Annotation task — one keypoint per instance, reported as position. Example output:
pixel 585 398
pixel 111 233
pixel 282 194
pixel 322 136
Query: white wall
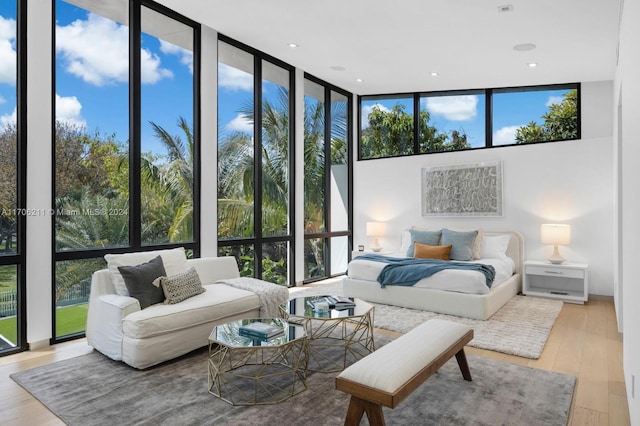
pixel 566 182
pixel 39 170
pixel 627 94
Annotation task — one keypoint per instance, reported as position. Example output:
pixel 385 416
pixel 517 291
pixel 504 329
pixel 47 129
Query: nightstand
pixel 357 253
pixel 567 281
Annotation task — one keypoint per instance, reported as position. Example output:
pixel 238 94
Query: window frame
pixel 258 240
pixel 328 234
pixel 19 259
pixel 135 127
pixel 417 96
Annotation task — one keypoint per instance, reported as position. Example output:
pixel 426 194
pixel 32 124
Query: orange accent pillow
pixel 425 251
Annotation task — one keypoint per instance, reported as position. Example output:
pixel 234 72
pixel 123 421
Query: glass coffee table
pixel 338 337
pixel 245 370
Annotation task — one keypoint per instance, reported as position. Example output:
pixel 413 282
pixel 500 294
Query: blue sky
pixel 92 86
pixel 466 113
pixel 92 67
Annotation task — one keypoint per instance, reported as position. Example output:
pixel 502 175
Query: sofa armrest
pixel 105 315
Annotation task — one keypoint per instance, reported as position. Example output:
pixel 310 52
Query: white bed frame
pixel 476 306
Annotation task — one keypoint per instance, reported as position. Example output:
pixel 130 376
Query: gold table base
pixel 257 375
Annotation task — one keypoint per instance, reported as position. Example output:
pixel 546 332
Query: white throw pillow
pixel 495 247
pixel 174 261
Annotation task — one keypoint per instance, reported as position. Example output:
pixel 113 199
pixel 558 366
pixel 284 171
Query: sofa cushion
pixel 174 261
pixel 139 281
pixel 218 302
pixel 181 286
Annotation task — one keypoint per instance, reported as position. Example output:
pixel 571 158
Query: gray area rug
pixel 94 390
pixel 521 327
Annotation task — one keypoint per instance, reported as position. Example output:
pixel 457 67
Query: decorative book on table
pixel 260 330
pixel 334 302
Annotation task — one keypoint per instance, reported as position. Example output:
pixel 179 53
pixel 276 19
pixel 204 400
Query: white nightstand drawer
pixel 552 271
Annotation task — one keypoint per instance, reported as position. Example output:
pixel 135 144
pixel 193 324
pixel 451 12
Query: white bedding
pixel 472 282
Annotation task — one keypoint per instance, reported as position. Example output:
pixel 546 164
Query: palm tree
pixel 175 178
pixel 236 173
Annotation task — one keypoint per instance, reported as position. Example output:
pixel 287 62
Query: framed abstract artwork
pixel 462 190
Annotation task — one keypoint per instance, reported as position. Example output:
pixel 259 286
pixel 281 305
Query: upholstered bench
pixel 388 375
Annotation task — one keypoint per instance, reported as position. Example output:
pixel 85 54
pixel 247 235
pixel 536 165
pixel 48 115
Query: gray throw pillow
pixel 431 238
pixel 181 286
pixel 139 281
pixel 461 242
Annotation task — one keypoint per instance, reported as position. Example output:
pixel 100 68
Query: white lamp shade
pixel 376 229
pixel 555 234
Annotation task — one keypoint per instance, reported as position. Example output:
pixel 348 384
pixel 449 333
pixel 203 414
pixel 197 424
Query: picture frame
pixel 463 190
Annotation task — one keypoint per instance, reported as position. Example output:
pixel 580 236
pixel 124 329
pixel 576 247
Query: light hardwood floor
pixel 584 342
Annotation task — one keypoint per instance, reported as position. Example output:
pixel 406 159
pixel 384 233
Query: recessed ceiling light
pixel 532 64
pixel 505 8
pixel 434 74
pixel 359 80
pixel 524 47
pixel 293 45
pixel 338 68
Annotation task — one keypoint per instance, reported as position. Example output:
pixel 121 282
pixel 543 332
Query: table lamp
pixel 376 229
pixel 558 235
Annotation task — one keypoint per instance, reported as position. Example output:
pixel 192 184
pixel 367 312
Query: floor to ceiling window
pixel 327 179
pixel 12 195
pixel 255 151
pixel 125 150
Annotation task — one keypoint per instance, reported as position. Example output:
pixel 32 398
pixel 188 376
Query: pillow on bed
pixel 462 243
pixel 426 251
pixel 495 247
pixel 477 245
pixel 431 238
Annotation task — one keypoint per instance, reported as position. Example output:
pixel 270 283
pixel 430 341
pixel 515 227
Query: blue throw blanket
pixel 407 271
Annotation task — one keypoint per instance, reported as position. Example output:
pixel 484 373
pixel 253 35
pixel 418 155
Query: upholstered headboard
pixel 515 250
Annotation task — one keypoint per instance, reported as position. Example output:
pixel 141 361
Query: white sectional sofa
pixel 118 328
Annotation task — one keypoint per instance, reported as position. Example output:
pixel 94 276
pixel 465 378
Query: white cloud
pixel 454 108
pixel 505 135
pixel 186 56
pixel 366 110
pixel 234 79
pixel 2 100
pixel 7 119
pixel 554 100
pixel 7 51
pixel 240 124
pixel 97 51
pixel 69 110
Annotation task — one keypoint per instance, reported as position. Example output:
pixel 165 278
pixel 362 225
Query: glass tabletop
pixel 239 333
pixel 307 307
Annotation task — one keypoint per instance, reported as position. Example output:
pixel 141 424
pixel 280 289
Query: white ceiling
pixel 394 45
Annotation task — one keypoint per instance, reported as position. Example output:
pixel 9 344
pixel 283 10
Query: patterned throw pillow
pixel 181 286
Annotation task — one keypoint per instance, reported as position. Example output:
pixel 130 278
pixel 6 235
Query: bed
pixel 461 298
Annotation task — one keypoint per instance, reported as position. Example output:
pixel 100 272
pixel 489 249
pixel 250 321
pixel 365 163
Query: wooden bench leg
pixel 464 366
pixel 357 408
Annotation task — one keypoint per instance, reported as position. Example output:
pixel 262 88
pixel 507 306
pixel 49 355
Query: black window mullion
pixel 135 28
pixel 196 140
pixel 416 123
pixel 488 118
pixel 327 179
pixel 257 164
